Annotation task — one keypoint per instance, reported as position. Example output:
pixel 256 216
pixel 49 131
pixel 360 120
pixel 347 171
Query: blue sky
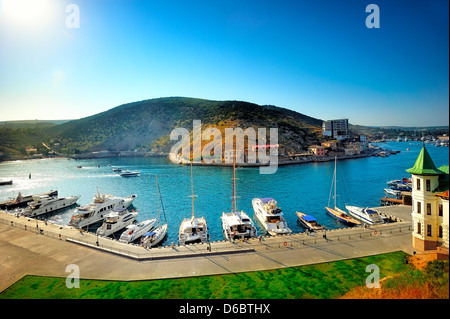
pixel 315 57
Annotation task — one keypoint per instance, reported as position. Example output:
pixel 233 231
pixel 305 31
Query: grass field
pixel 327 280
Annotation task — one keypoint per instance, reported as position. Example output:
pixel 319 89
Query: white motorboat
pixel 270 216
pixel 94 212
pixel 129 173
pixel 134 231
pixel 115 221
pixel 193 229
pixel 237 224
pixel 366 215
pixel 392 192
pixel 155 236
pixel 47 204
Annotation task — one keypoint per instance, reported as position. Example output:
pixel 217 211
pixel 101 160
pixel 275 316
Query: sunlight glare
pixel 29 13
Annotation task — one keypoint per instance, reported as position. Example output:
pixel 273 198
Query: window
pixel 440 231
pixel 419 208
pixel 419 228
pixel 428 185
pixel 428 209
pixel 441 210
pixel 418 184
pixel 428 230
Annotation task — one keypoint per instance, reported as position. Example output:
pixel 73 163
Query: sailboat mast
pixel 335 160
pixel 233 190
pixel 192 193
pixel 157 198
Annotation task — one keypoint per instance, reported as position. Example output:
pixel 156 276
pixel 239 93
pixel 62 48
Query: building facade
pixel 337 129
pixel 430 208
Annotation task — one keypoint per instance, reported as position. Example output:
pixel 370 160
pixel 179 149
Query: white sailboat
pixel 47 204
pixel 193 229
pixel 95 212
pixel 237 224
pixel 155 236
pixel 336 212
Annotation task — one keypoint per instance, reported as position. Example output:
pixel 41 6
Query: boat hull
pixel 59 204
pixel 342 217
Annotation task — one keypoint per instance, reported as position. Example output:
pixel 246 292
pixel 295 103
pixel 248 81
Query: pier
pixel 31 247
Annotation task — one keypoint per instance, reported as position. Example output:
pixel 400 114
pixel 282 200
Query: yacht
pixel 134 231
pixel 129 173
pixel 366 215
pixel 22 201
pixel 94 212
pixel 193 229
pixel 115 221
pixel 46 204
pixel 270 216
pixel 236 224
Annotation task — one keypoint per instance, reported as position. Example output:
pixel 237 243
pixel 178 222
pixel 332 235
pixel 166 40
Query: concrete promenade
pixel 28 247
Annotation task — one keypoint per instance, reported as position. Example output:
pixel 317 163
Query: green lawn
pixel 328 280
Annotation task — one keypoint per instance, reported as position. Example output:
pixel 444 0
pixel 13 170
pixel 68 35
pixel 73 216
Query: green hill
pixel 147 124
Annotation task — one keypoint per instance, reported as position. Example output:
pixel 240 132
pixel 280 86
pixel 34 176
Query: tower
pixel 429 203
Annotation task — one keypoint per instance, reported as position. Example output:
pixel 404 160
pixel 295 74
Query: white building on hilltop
pixel 337 129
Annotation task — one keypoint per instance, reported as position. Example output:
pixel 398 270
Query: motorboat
pixel 270 216
pixel 309 222
pixel 22 201
pixel 393 192
pixel 47 204
pixel 155 236
pixel 135 231
pixel 117 170
pixel 6 182
pixel 401 187
pixel 364 214
pixel 193 229
pixel 129 173
pixel 237 224
pixel 336 212
pixel 115 221
pixel 95 212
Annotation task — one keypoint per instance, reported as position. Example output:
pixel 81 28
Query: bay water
pixel 304 188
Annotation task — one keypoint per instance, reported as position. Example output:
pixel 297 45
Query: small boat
pixel 115 221
pixel 193 229
pixel 236 224
pixel 392 192
pixel 9 182
pixel 47 204
pixel 401 187
pixel 117 170
pixel 154 237
pixel 394 182
pixel 309 222
pixel 270 216
pixel 128 173
pixel 79 166
pixel 366 215
pixel 134 231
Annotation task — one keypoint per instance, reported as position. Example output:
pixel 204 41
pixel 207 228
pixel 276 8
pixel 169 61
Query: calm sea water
pixel 305 188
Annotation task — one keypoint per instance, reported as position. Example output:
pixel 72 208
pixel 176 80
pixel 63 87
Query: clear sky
pixel 315 57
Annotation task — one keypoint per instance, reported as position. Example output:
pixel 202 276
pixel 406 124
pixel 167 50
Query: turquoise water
pixel 304 188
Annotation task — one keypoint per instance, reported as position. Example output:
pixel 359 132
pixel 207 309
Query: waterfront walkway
pixel 30 247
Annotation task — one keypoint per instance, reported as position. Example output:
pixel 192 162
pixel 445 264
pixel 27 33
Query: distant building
pixel 430 209
pixel 317 150
pixel 337 129
pixel 330 144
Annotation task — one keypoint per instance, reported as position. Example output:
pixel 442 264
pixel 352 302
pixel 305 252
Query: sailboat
pixel 336 212
pixel 155 236
pixel 193 229
pixel 236 224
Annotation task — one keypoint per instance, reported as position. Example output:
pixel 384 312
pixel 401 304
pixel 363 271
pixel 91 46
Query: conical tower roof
pixel 424 165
